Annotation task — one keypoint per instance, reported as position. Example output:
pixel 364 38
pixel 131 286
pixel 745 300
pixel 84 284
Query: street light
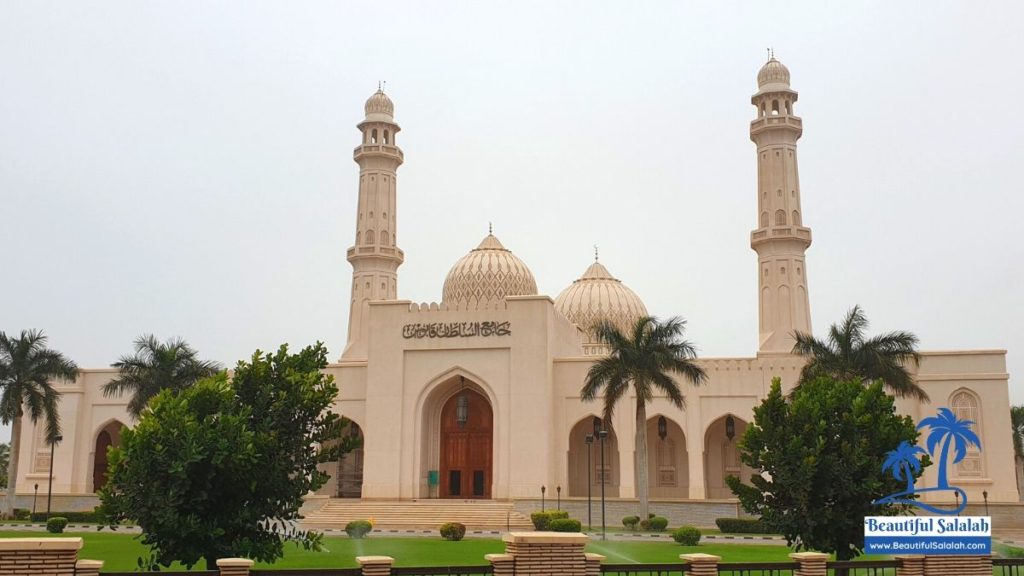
pixel 49 488
pixel 984 494
pixel 589 439
pixel 558 493
pixel 35 492
pixel 602 434
pixel 543 489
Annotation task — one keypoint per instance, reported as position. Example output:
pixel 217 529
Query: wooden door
pixel 466 450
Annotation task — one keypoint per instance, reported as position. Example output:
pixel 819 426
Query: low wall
pixel 700 513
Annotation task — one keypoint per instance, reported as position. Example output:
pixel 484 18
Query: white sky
pixel 185 168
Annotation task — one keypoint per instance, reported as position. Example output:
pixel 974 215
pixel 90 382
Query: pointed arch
pixel 721 455
pixel 966 404
pixel 668 469
pixel 585 460
pixel 108 435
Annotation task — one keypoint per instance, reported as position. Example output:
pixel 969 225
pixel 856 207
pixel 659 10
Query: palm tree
pixel 903 462
pixel 847 355
pixel 156 366
pixel 27 369
pixel 645 359
pixel 5 461
pixel 956 433
pixel 1017 421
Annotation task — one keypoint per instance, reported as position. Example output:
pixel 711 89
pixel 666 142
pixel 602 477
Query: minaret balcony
pixel 378 150
pixel 789 122
pixel 762 235
pixel 375 251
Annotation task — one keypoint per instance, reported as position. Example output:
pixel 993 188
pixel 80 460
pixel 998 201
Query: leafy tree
pixel 156 366
pixel 822 452
pixel 847 354
pixel 27 372
pixel 219 469
pixel 646 359
pixel 1017 421
pixel 5 461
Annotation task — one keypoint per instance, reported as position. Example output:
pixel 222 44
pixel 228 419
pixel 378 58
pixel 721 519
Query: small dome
pixel 379 107
pixel 773 72
pixel 598 296
pixel 486 275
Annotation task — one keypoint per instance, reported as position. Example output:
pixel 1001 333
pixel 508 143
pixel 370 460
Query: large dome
pixel 486 275
pixel 598 296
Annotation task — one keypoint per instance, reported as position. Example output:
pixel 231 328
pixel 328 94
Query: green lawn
pixel 120 551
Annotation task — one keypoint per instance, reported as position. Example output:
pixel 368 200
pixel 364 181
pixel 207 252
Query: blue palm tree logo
pixel 950 432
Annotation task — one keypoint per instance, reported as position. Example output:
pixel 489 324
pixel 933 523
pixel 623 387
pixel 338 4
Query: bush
pixel 645 525
pixel 56 524
pixel 21 514
pixel 92 517
pixel 564 525
pixel 542 519
pixel 453 531
pixel 658 523
pixel 743 526
pixel 686 535
pixel 358 528
pixel 631 522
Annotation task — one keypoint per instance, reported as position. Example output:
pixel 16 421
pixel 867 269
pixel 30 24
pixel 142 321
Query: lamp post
pixel 35 493
pixel 984 494
pixel 602 434
pixel 589 439
pixel 49 488
pixel 543 489
pixel 558 494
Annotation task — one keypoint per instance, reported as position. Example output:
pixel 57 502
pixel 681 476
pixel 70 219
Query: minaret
pixel 375 257
pixel 780 238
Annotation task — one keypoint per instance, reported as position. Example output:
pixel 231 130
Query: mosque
pixel 478 396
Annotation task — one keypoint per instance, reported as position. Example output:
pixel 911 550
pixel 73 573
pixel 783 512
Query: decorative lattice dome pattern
pixel 598 296
pixel 486 275
pixel 773 72
pixel 379 104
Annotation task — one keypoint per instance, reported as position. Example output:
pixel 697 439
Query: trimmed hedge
pixel 56 524
pixel 743 526
pixel 93 517
pixel 542 519
pixel 358 528
pixel 631 522
pixel 658 523
pixel 453 531
pixel 565 525
pixel 686 535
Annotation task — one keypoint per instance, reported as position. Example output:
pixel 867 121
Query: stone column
pixel 811 563
pixel 544 553
pixel 27 556
pixel 957 565
pixel 910 566
pixel 234 566
pixel 701 564
pixel 593 564
pixel 375 565
pixel 88 567
pixel 503 564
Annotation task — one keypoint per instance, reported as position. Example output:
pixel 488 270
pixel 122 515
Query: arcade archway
pixel 722 457
pixel 668 471
pixel 579 458
pixel 466 452
pixel 108 436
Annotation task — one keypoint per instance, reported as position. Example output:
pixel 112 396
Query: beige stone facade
pixel 478 396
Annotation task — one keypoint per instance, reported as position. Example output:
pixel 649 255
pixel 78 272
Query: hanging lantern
pixel 730 428
pixel 462 406
pixel 662 427
pixel 597 425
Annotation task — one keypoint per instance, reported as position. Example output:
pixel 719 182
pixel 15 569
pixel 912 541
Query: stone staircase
pixel 419 514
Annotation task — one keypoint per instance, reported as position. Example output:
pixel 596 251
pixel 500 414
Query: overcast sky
pixel 185 168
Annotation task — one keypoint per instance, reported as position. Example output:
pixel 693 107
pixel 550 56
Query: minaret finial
pixel 384 85
pixel 595 252
pixel 378 86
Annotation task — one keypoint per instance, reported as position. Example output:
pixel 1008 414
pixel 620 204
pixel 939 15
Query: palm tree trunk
pixel 12 466
pixel 641 457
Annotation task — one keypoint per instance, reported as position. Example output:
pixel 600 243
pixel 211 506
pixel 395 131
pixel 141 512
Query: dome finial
pixel 490 228
pixel 595 252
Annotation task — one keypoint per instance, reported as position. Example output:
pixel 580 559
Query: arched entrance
pixel 582 453
pixel 467 424
pixel 350 465
pixel 722 456
pixel 109 435
pixel 668 471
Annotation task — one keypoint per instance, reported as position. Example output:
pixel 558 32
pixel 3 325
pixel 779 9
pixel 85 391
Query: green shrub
pixel 658 523
pixel 542 519
pixel 56 524
pixel 645 524
pixel 92 516
pixel 743 526
pixel 21 514
pixel 651 515
pixel 453 531
pixel 564 525
pixel 686 535
pixel 631 522
pixel 358 528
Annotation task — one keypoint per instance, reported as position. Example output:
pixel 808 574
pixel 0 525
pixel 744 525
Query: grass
pixel 120 551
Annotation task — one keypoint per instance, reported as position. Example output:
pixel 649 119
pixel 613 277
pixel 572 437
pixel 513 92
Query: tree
pixel 903 463
pixel 156 366
pixel 847 355
pixel 646 359
pixel 822 452
pixel 219 469
pixel 27 372
pixel 5 461
pixel 1017 421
